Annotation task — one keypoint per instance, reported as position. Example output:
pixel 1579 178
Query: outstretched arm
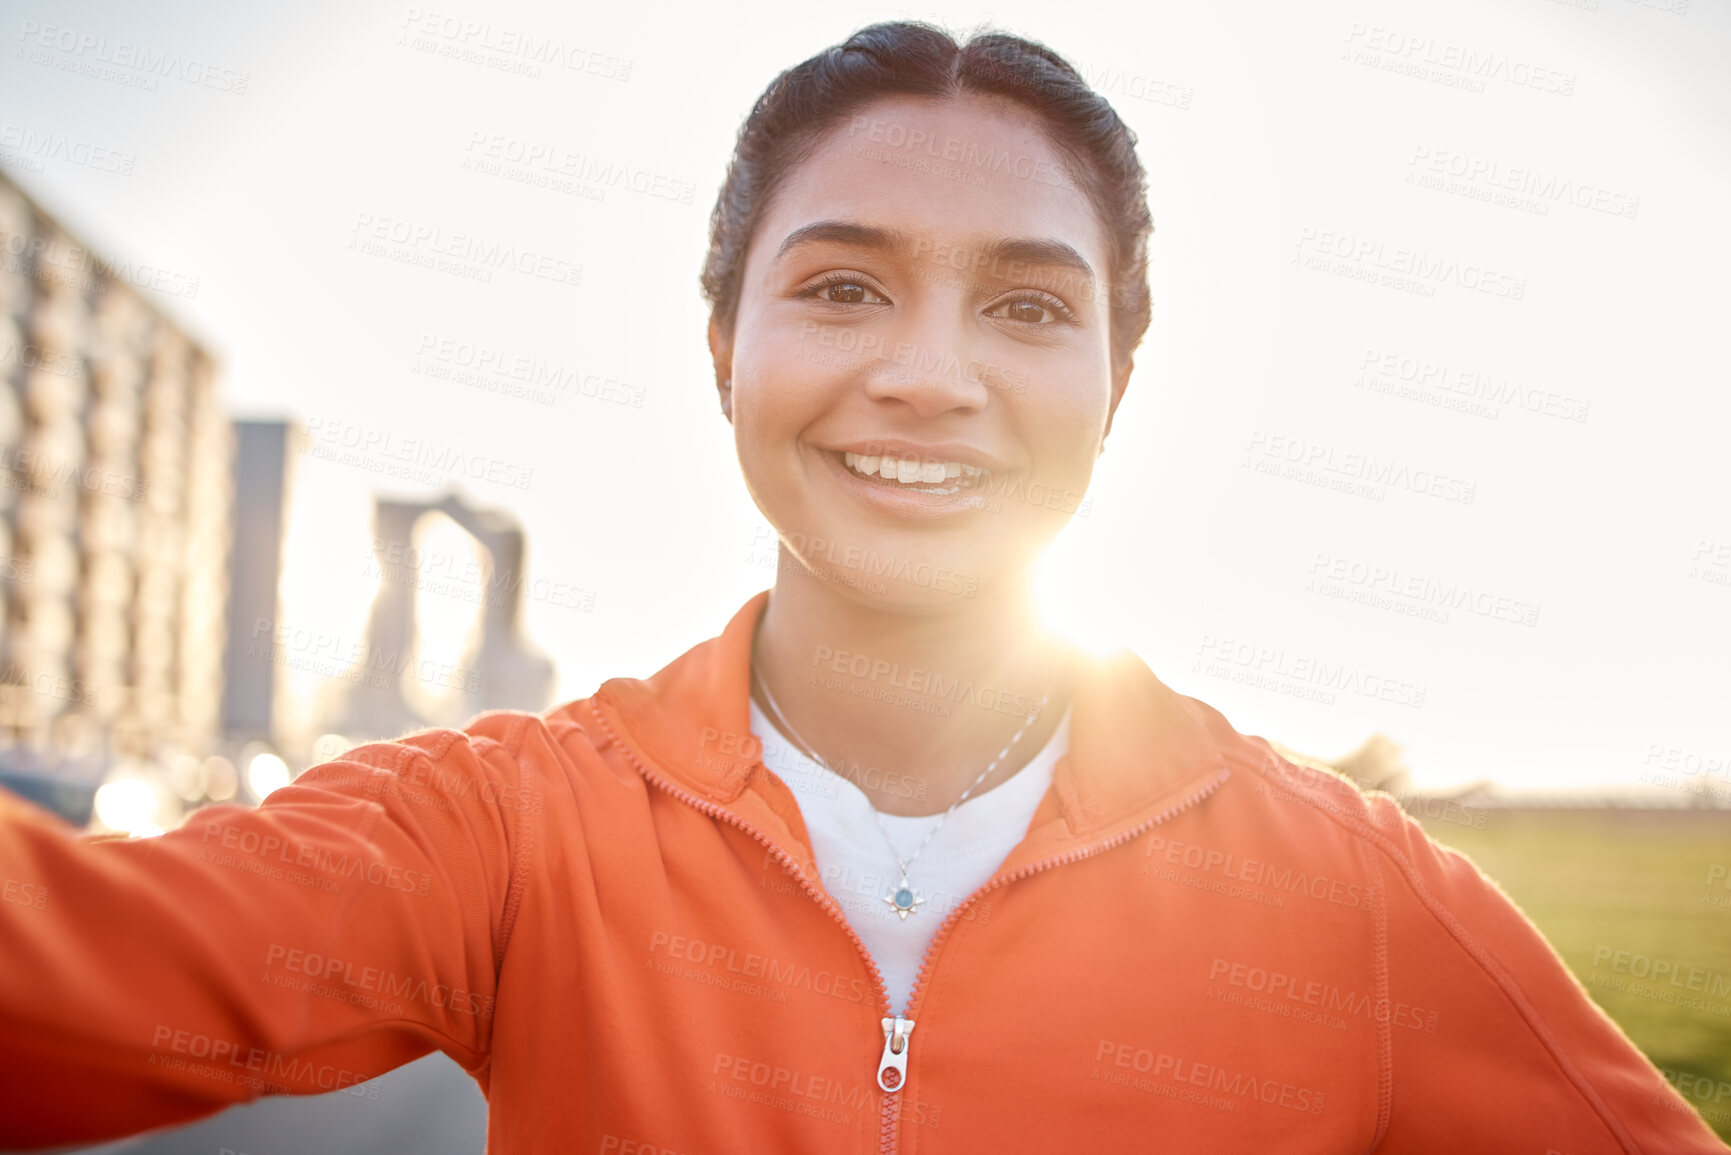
pixel 350 924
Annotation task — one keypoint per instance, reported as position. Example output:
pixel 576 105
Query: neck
pixel 909 705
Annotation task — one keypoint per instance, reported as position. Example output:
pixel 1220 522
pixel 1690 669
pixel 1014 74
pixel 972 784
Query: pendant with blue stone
pixel 903 899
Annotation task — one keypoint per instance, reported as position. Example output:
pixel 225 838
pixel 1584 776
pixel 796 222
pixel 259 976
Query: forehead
pixel 963 171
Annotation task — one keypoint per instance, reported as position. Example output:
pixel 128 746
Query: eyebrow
pixel 1026 250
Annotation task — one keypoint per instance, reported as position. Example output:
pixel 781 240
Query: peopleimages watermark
pixel 1700 1088
pixel 36 473
pixel 1413 594
pixel 329 655
pixel 1667 980
pixel 1264 882
pixel 293 859
pixel 1303 675
pixel 1407 269
pixel 1671 759
pixel 58 261
pixel 1234 1087
pixel 1109 81
pixel 251 1066
pixel 513 50
pixel 460 254
pixel 611 1143
pixel 58 362
pixel 1450 64
pixel 368 985
pixel 514 374
pixel 1513 186
pixel 1711 562
pixel 121 61
pixel 45 684
pixel 777 976
pixel 870 564
pixel 787 1089
pixel 29 149
pixel 463 577
pixel 30 895
pixel 1688 771
pixel 1437 809
pixel 1302 991
pixel 549 166
pixel 413 458
pixel 1717 872
pixel 1352 473
pixel 923 682
pixel 764 550
pixel 1465 390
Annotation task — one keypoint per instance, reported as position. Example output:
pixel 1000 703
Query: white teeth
pixel 909 470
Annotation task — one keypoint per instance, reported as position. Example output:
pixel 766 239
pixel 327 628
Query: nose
pixel 930 366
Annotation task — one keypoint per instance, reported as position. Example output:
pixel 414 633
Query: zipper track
pixel 891 1111
pixel 890 1124
pixel 889 1121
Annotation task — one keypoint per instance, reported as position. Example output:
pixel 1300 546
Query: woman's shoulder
pixel 1281 797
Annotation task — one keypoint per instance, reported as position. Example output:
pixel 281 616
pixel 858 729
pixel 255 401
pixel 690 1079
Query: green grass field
pixel 1636 881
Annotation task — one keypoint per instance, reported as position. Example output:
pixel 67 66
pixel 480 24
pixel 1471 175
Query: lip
pixel 902 503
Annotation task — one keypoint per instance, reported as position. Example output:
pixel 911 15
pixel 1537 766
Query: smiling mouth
pixel 912 473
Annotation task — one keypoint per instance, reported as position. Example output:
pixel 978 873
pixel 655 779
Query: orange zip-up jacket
pixel 610 916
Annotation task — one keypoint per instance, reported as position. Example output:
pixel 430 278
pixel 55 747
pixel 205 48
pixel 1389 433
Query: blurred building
pixel 114 514
pixel 263 484
pixel 144 539
pixel 297 680
pixel 501 670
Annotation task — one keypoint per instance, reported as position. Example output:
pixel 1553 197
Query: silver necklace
pixel 904 899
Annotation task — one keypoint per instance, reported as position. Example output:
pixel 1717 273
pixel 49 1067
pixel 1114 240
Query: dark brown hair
pixel 915 59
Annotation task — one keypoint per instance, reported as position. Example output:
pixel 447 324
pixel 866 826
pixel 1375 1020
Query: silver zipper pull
pixel 893 1067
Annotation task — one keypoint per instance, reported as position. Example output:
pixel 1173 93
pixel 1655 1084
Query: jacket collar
pixel 1137 748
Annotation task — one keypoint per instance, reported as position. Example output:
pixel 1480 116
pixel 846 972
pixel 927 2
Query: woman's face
pixel 926 297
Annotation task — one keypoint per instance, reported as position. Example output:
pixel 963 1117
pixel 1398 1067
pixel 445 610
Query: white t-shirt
pixel 856 866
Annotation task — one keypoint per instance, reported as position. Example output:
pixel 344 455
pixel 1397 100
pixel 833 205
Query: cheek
pixel 1065 438
pixel 770 407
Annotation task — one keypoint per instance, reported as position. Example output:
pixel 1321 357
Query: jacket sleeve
pixel 350 924
pixel 1493 1044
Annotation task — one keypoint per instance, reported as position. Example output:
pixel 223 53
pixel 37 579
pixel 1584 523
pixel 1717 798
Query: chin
pixel 907 572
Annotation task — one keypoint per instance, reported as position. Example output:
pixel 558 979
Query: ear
pixel 1120 382
pixel 721 353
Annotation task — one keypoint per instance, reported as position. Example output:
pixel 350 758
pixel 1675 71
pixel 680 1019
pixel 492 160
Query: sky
pixel 1433 394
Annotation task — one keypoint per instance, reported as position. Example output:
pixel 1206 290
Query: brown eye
pixel 843 289
pixel 845 293
pixel 1032 310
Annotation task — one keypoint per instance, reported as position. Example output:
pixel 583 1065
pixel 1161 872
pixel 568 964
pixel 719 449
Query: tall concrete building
pixel 263 484
pixel 115 492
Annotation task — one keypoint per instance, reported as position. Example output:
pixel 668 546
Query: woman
pixel 883 867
